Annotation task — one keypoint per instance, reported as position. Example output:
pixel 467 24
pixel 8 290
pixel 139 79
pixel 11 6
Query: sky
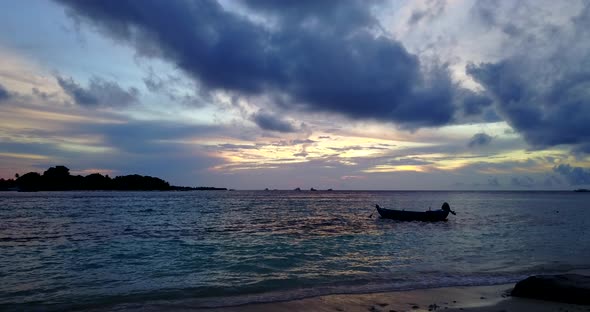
pixel 355 95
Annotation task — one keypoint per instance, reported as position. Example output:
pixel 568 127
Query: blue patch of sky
pixel 42 32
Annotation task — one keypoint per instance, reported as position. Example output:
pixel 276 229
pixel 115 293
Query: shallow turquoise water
pixel 84 250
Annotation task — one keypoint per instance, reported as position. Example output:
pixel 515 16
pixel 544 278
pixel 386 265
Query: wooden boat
pixel 426 216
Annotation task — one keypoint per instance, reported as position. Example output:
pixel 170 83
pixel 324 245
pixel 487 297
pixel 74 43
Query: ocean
pixel 107 250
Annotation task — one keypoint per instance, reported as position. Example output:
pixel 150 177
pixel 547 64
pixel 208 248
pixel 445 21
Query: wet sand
pixel 472 298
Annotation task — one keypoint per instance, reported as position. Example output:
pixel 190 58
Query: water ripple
pixel 103 248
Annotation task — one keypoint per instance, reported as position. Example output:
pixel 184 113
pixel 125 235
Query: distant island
pixel 58 178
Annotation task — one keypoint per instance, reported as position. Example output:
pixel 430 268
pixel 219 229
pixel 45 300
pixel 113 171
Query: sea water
pixel 82 250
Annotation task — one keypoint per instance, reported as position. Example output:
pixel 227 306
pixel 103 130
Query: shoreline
pixel 471 298
pixel 427 299
pixel 468 298
pixel 465 298
pixel 492 298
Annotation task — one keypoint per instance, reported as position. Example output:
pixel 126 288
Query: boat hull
pixel 402 215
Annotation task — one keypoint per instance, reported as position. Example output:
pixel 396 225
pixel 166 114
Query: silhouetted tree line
pixel 58 178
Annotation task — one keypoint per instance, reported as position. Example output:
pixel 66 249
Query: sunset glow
pixel 386 99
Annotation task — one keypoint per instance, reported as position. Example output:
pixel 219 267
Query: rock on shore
pixel 568 288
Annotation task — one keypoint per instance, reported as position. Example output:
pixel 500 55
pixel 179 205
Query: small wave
pixel 426 281
pixel 211 297
pixel 362 287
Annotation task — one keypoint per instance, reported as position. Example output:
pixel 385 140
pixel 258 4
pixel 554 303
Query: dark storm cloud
pixel 574 175
pixel 543 88
pixel 4 94
pixel 346 16
pixel 542 117
pixel 99 93
pixel 319 55
pixel 474 103
pixel 479 139
pixel 582 148
pixel 271 122
pixel 476 107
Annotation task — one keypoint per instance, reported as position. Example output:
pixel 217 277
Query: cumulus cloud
pixel 45 96
pixel 574 175
pixel 271 122
pixel 434 9
pixel 324 56
pixel 98 93
pixel 542 88
pixel 479 139
pixel 174 88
